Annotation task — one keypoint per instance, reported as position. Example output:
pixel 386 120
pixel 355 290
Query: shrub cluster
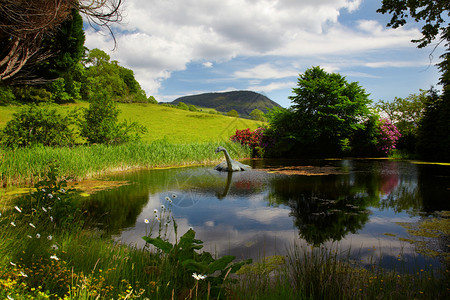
pixel 256 140
pixel 388 136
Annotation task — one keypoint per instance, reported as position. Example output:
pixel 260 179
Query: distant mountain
pixel 244 102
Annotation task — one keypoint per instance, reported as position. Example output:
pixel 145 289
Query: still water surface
pixel 356 204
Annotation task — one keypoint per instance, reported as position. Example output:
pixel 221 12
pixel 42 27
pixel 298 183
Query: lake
pixel 353 204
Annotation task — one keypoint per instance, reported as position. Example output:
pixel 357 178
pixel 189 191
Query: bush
pixel 182 105
pixel 100 124
pixel 388 136
pixel 233 113
pixel 253 139
pixel 34 125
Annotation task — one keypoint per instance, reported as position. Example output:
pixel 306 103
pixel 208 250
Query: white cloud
pixel 266 71
pixel 272 86
pixel 207 64
pixel 158 38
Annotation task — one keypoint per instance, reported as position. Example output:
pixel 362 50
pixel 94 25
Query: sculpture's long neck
pixel 228 158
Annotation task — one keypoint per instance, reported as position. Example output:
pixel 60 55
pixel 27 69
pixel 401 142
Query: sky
pixel 186 47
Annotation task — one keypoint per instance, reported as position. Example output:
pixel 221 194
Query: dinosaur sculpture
pixel 229 165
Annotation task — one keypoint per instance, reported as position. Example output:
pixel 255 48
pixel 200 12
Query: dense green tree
pixel 434 138
pixel 117 81
pixel 327 111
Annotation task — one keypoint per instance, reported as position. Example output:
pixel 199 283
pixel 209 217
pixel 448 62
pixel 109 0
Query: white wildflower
pixel 18 209
pixel 167 199
pixel 43 190
pixel 54 247
pixel 12 264
pixel 155 211
pixel 163 207
pixel 54 257
pixel 146 221
pixel 32 225
pixel 174 196
pixel 50 196
pixel 38 236
pixel 44 209
pixel 63 190
pixel 51 218
pixel 198 276
pixel 29 236
pixel 13 224
pixel 23 274
pixel 49 237
pixel 9 297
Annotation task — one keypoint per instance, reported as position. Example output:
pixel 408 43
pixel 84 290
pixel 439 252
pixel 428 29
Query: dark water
pixel 257 213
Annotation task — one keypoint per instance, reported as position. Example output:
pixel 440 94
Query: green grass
pixel 24 165
pixel 172 124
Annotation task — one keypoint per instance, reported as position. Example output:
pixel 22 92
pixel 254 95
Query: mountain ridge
pixel 244 102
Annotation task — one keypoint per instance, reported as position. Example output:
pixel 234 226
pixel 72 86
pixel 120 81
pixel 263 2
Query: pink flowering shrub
pixel 388 136
pixel 253 139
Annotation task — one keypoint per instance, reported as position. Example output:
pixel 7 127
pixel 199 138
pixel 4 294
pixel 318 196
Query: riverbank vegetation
pixel 26 165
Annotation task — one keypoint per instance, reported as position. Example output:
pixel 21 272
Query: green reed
pixel 24 165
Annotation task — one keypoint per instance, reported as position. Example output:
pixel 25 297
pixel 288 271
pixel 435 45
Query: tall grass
pixel 24 166
pixel 326 273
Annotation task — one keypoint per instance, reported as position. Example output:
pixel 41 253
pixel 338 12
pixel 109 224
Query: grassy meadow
pixel 162 122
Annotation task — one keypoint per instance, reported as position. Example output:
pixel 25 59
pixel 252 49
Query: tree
pixel 117 81
pixel 26 24
pixel 100 124
pixel 257 115
pixel 437 115
pixel 233 113
pixel 406 114
pixel 327 111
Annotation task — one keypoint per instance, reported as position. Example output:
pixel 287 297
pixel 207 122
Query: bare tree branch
pixel 25 23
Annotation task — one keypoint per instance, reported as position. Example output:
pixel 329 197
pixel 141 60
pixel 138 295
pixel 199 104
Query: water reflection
pixel 255 213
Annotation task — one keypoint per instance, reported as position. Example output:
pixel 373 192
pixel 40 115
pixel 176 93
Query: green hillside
pixel 244 102
pixel 174 125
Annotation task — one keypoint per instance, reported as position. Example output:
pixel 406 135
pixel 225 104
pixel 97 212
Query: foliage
pixel 182 105
pixel 34 125
pixel 257 115
pixel 100 124
pixel 433 138
pixel 326 112
pixel 116 81
pixel 52 200
pixel 388 136
pixel 253 139
pixel 233 113
pixel 192 108
pixel 432 13
pixel 184 258
pixel 433 141
pixel 405 114
pixel 6 95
